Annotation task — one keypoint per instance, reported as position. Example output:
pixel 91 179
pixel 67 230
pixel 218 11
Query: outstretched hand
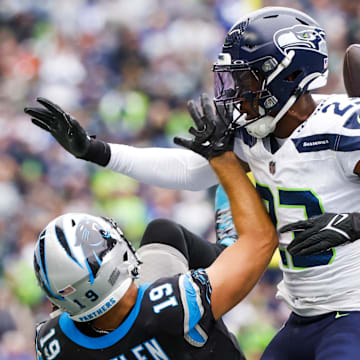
pixel 211 136
pixel 323 232
pixel 62 126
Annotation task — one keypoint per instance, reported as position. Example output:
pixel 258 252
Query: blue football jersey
pixel 171 319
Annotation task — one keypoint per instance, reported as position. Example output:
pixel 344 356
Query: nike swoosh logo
pixel 338 315
pixel 358 119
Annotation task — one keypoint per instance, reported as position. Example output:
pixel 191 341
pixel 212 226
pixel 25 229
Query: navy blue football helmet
pixel 283 51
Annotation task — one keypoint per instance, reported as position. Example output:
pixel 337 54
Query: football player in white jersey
pixel 304 157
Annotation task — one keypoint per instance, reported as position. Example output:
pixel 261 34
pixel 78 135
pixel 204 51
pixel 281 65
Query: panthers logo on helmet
pixel 301 37
pixel 95 244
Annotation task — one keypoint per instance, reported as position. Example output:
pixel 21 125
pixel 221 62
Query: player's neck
pixel 114 317
pixel 297 114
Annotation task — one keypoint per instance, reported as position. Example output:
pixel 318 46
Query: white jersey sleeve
pixel 163 167
pixel 348 130
pixel 320 97
pixel 343 130
pixel 348 161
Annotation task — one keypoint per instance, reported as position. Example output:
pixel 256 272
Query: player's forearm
pixel 163 167
pixel 247 208
pixel 237 270
pixel 246 260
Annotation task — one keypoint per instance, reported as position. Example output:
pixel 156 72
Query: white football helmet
pixel 84 264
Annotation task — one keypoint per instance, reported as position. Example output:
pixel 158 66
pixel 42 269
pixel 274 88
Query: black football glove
pixel 212 137
pixel 323 232
pixel 68 132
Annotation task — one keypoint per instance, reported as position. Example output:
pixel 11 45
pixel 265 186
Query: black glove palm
pixel 68 132
pixel 212 137
pixel 62 126
pixel 323 232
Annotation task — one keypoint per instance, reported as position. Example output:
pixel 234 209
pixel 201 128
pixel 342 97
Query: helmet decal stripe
pixel 42 265
pixel 98 260
pixel 42 255
pixel 64 243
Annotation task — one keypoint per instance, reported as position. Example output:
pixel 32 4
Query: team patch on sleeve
pixel 321 142
pixel 190 296
pixel 183 300
pixel 195 293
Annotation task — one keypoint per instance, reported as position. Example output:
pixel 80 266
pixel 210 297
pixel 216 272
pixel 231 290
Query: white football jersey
pixel 312 173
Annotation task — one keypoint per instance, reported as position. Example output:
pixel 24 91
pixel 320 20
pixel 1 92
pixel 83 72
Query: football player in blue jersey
pixel 87 268
pixel 305 158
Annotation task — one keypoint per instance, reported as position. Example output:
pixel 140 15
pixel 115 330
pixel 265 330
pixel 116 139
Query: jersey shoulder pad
pixel 247 139
pixel 46 343
pixel 180 300
pixel 161 306
pixel 339 111
pixel 334 125
pixel 38 328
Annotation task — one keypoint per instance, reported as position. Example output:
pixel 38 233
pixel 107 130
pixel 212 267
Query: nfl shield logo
pixel 272 167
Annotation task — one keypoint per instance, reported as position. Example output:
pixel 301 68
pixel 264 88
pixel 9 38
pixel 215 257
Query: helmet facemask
pixel 240 91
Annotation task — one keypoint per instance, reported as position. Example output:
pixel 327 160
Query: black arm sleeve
pixel 199 252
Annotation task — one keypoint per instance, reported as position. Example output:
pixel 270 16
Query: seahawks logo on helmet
pixel 301 37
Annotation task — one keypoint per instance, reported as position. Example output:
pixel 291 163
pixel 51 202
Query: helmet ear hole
pixel 292 77
pixel 125 257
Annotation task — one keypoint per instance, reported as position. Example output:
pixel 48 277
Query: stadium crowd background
pixel 125 69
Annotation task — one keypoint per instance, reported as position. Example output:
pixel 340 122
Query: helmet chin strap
pixel 266 125
pixel 55 313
